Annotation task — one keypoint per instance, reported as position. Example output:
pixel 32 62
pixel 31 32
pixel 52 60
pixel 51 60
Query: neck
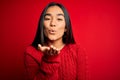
pixel 57 44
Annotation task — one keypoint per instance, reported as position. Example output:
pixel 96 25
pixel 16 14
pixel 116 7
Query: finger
pixel 46 52
pixel 43 48
pixel 54 50
pixel 48 48
pixel 58 51
pixel 51 46
pixel 51 51
pixel 39 46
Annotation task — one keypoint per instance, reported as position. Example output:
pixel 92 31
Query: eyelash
pixel 47 18
pixel 57 19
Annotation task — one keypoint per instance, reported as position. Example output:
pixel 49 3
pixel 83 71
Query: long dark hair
pixel 40 36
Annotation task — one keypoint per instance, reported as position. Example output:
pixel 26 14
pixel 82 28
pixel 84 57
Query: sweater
pixel 70 64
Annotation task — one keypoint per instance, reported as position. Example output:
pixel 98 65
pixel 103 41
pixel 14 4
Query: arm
pixel 41 67
pixel 31 67
pixel 49 68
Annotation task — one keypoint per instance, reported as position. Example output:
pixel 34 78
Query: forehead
pixel 54 10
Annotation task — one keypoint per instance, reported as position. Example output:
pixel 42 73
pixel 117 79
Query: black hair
pixel 40 36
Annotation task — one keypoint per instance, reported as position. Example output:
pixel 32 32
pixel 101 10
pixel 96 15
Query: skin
pixel 54 28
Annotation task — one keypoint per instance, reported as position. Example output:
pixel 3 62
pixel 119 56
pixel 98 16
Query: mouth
pixel 52 31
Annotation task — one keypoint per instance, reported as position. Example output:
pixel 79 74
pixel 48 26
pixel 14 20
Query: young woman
pixel 54 55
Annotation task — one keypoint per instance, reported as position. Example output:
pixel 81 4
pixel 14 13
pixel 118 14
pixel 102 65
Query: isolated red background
pixel 96 26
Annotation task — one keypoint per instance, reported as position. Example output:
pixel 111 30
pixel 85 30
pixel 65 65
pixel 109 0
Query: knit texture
pixel 70 64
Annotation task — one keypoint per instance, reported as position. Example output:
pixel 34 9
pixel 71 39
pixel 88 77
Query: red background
pixel 96 26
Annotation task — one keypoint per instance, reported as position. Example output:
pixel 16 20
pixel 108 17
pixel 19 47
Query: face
pixel 54 23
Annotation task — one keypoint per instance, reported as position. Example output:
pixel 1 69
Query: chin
pixel 52 39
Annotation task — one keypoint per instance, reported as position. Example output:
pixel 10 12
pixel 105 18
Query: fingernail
pixel 48 48
pixel 51 46
pixel 58 49
pixel 54 48
pixel 39 45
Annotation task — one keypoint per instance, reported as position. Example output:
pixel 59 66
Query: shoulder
pixel 32 52
pixel 74 46
pixel 77 48
pixel 30 49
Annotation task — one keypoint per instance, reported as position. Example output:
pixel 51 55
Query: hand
pixel 51 51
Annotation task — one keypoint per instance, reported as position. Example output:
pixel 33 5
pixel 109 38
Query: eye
pixel 59 19
pixel 47 19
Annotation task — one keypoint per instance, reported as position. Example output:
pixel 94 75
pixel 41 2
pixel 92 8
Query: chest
pixel 68 66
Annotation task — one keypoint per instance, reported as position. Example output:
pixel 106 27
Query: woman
pixel 53 55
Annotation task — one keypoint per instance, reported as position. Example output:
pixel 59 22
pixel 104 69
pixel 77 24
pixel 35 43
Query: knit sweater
pixel 68 65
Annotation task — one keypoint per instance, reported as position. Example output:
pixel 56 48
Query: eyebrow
pixel 60 14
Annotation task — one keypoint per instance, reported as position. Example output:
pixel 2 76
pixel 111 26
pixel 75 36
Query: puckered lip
pixel 52 31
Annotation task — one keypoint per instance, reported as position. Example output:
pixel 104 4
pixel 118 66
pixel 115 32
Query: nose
pixel 53 23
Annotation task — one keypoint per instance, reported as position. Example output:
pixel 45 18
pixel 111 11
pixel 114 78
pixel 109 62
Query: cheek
pixel 46 23
pixel 46 31
pixel 62 27
pixel 61 31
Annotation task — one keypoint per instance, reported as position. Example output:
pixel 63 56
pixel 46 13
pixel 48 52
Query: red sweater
pixel 68 65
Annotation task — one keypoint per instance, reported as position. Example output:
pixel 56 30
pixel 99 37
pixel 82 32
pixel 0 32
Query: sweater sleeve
pixel 40 67
pixel 81 64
